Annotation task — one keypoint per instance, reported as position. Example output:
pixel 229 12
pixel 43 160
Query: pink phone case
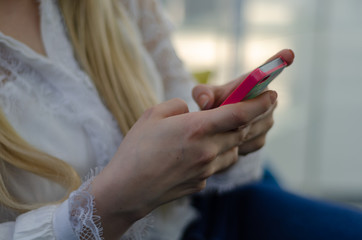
pixel 256 81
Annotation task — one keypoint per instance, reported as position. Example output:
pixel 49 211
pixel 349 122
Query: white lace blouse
pixel 53 105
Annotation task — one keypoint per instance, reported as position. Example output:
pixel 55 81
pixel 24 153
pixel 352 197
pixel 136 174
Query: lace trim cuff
pixel 85 224
pixel 76 218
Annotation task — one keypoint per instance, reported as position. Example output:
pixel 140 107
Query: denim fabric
pixel 265 211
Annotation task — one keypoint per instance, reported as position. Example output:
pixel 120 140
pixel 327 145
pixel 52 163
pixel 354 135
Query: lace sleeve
pixel 76 218
pixel 155 30
pixel 85 223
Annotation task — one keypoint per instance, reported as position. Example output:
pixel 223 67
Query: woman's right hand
pixel 169 153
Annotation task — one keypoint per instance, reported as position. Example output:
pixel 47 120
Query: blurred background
pixel 315 146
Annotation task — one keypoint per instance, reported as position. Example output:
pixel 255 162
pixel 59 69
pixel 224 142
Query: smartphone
pixel 256 81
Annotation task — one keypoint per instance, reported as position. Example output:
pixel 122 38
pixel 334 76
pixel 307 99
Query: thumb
pixel 204 96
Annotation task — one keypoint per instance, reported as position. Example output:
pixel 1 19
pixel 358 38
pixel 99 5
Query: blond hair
pixel 108 47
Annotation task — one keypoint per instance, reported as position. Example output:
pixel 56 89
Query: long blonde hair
pixel 109 48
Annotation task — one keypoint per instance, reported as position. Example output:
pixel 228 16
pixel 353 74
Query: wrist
pixel 115 205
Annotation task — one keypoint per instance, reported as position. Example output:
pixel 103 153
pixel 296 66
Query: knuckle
pixel 149 112
pixel 259 143
pixel 206 174
pixel 234 158
pixel 241 137
pixel 239 116
pixel 196 129
pixel 207 156
pixel 253 146
pixel 200 186
pixel 181 103
pixel 270 123
pixel 266 104
pixel 243 134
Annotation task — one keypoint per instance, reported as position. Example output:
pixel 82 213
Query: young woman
pixel 86 84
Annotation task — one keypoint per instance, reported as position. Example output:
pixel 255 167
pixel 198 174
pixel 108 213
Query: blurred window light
pixel 268 13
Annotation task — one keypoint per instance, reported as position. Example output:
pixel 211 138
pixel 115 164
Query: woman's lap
pixel 264 211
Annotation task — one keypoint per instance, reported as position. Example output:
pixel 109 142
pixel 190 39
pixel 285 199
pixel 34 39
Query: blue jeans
pixel 265 211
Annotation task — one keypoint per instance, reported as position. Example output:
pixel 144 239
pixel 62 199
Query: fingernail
pixel 291 51
pixel 273 96
pixel 203 100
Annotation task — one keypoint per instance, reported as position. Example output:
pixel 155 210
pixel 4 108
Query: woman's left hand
pixel 254 133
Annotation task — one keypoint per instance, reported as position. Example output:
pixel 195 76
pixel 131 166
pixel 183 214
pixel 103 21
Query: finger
pixel 222 92
pixel 232 116
pixel 253 145
pixel 267 114
pixel 256 129
pixel 208 96
pixel 169 108
pixel 220 164
pixel 253 136
pixel 204 96
pixel 184 189
pixel 286 54
pixel 224 161
pixel 231 139
pixel 244 134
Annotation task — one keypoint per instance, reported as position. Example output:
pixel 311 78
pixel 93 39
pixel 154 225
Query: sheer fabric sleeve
pixel 77 218
pixel 74 219
pixel 155 30
pixel 36 224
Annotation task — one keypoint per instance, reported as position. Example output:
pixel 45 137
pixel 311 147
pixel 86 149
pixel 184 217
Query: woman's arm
pixel 169 153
